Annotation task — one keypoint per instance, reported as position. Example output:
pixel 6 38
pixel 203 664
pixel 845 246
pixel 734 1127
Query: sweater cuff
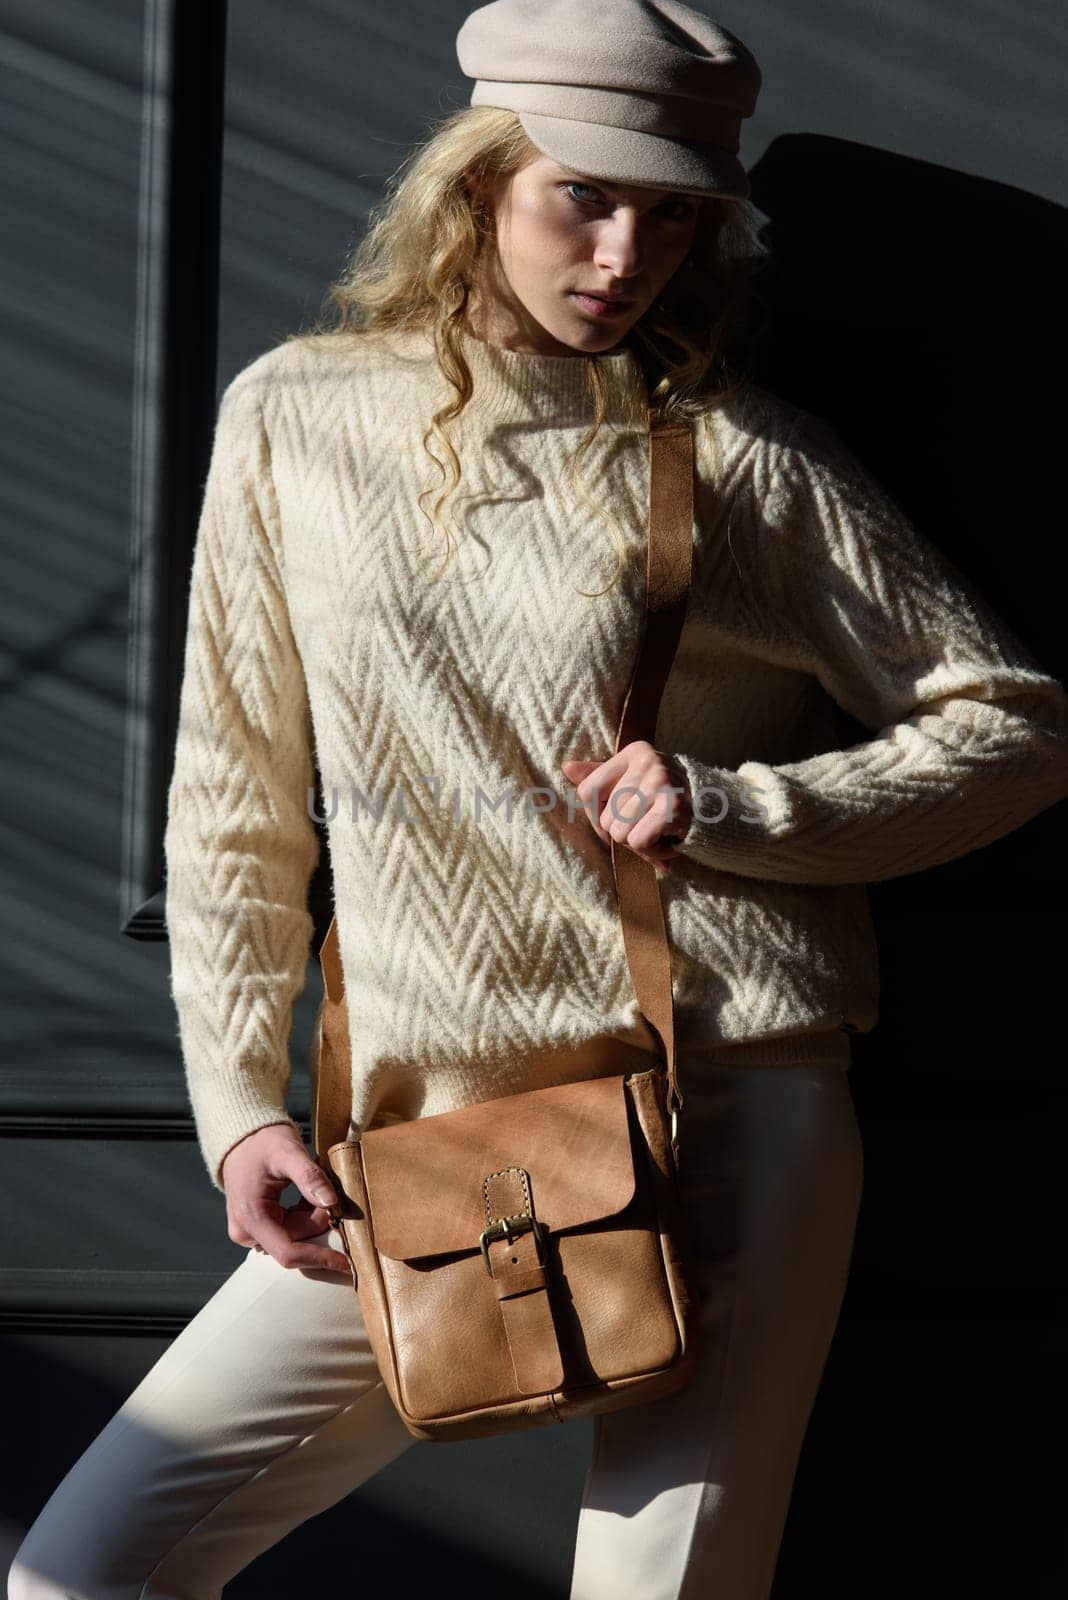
pixel 728 817
pixel 230 1122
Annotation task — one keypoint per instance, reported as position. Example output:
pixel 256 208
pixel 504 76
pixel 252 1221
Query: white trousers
pixel 268 1407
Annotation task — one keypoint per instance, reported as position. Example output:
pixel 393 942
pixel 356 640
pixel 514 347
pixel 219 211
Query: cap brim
pixel 620 155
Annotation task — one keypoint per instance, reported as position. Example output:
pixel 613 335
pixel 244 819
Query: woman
pixel 557 255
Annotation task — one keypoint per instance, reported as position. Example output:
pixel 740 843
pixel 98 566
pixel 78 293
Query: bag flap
pixel 425 1177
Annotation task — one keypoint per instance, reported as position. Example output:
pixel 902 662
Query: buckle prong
pixel 506 1227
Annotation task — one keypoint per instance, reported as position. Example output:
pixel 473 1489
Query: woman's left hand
pixel 643 820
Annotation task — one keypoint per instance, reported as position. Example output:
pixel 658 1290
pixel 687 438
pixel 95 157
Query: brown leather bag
pixel 527 1259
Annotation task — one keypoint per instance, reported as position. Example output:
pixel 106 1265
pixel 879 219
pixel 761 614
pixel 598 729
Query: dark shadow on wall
pixel 918 310
pixel 924 1472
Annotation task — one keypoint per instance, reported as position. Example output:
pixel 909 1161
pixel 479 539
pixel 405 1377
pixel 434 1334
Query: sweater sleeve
pixel 970 734
pixel 239 844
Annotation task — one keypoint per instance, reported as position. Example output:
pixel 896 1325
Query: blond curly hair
pixel 415 264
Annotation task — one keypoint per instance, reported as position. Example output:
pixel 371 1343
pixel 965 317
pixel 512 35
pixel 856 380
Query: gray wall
pixel 925 322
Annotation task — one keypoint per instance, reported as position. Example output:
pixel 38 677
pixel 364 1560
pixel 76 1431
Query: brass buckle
pixel 505 1228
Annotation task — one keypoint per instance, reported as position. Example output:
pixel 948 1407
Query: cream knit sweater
pixel 477 939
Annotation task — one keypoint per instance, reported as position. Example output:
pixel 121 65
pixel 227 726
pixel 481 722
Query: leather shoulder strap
pixel 667 581
pixel 668 569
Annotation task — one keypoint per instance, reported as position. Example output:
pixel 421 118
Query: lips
pixel 600 305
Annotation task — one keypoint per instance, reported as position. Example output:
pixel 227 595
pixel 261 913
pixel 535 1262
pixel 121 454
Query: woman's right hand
pixel 255 1171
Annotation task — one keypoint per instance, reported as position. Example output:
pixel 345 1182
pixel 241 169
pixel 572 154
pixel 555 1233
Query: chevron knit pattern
pixel 480 936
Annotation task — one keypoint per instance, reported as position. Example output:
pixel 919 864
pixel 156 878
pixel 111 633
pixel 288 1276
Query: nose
pixel 619 247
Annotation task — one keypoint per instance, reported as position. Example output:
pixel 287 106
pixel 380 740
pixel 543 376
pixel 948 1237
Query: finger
pixel 646 833
pixel 628 807
pixel 288 1252
pixel 603 774
pixel 308 1177
pixel 593 791
pixel 323 1260
pixel 302 1223
pixel 316 1258
pixel 250 1219
pixel 659 821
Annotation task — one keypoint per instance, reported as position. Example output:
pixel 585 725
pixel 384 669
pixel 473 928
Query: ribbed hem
pixel 229 1123
pixel 725 824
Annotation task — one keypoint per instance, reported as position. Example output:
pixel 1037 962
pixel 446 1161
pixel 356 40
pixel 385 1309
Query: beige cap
pixel 632 91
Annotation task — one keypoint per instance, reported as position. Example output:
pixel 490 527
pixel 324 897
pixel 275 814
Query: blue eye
pixel 686 210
